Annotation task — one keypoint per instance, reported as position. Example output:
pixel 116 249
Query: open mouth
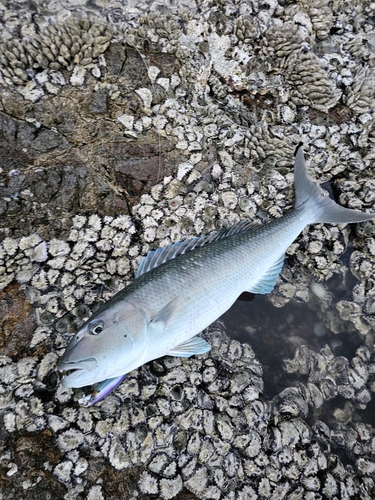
pixel 75 369
pixel 88 364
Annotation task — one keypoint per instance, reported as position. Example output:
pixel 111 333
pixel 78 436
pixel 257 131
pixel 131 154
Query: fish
pixel 180 289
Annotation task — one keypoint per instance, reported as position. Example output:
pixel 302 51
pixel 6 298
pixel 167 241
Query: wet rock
pixel 17 322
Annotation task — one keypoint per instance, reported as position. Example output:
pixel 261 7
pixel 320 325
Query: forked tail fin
pixel 311 196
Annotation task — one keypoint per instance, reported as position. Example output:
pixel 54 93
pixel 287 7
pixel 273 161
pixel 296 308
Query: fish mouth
pixel 76 369
pixel 87 364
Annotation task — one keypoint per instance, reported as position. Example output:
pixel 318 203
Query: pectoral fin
pixel 268 281
pixel 165 314
pixel 196 345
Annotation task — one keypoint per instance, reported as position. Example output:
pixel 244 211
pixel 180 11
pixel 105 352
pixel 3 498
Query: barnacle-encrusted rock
pixel 321 16
pixel 358 46
pixel 310 83
pixel 124 128
pixel 283 40
pixel 327 377
pixel 360 95
pixel 59 46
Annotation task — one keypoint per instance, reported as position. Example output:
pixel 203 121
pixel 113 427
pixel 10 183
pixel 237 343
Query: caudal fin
pixel 311 196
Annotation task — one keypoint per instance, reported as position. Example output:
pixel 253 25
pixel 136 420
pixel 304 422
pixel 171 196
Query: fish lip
pixel 76 369
pixel 86 364
pixel 69 381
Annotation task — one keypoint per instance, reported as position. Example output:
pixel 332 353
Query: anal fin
pixel 196 345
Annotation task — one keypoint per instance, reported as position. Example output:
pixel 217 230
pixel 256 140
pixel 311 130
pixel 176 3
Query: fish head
pixel 107 345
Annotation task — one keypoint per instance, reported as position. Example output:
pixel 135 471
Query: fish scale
pixel 181 289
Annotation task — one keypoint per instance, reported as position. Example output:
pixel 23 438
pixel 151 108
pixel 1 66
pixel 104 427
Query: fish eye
pixel 96 327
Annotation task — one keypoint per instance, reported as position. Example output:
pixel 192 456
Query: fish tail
pixel 321 207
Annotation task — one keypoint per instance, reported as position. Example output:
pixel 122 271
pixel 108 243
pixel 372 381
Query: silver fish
pixel 181 289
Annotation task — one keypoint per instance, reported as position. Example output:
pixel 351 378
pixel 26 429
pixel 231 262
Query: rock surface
pixel 127 128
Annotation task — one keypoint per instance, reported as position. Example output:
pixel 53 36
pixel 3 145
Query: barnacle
pixel 282 41
pixel 310 83
pixel 247 29
pixel 59 46
pixel 360 95
pixel 321 16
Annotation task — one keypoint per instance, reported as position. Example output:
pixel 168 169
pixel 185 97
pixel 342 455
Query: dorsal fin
pixel 157 257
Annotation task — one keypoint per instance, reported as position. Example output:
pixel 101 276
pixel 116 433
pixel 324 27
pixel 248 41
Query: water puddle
pixel 275 333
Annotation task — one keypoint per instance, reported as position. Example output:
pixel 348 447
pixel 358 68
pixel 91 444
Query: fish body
pixel 181 289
